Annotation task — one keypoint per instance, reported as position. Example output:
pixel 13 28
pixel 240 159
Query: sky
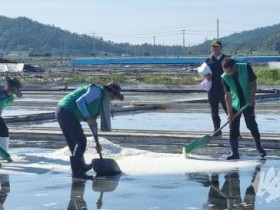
pixel 165 22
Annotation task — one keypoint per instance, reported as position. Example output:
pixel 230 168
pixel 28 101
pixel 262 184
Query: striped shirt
pixel 92 94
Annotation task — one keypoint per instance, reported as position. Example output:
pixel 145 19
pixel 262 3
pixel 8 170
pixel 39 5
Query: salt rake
pixel 201 142
pixel 104 166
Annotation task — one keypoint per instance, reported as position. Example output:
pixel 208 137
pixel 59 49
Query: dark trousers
pixel 249 116
pixel 72 131
pixel 4 131
pixel 215 98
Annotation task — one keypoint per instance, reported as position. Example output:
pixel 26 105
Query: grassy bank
pixel 264 75
pixel 267 76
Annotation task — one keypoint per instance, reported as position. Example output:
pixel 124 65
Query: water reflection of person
pixel 101 186
pixel 229 196
pixel 5 189
pixel 77 201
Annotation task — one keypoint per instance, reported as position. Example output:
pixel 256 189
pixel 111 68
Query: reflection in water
pixel 229 195
pixel 77 201
pixel 104 185
pixel 5 189
pixel 101 185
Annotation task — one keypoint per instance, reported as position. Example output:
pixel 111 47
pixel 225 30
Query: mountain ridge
pixel 36 39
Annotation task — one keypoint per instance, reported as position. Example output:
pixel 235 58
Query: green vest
pixel 244 83
pixel 69 102
pixel 7 101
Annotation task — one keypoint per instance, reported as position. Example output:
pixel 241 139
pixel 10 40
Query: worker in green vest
pixel 240 86
pixel 84 104
pixel 7 97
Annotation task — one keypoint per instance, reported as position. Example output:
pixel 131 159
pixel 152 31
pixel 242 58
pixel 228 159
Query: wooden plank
pixel 30 117
pixel 51 115
pixel 52 137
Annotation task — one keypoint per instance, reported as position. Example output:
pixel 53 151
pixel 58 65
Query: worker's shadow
pixel 24 164
pixel 5 189
pixel 229 195
pixel 101 185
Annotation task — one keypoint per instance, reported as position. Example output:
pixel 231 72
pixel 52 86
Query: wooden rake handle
pixel 95 135
pixel 238 113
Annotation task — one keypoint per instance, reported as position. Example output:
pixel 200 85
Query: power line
pixel 159 33
pixel 217 28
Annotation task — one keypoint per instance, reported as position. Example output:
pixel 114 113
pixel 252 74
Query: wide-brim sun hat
pixel 116 89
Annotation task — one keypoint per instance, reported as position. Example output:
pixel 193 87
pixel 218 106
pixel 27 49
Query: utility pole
pixel 93 36
pixel 183 32
pixel 153 49
pixel 64 54
pixel 217 28
pixel 274 47
pixel 18 37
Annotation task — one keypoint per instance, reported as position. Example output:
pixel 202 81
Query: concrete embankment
pixel 157 141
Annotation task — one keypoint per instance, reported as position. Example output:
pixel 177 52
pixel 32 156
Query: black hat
pixel 116 89
pixel 15 84
pixel 216 43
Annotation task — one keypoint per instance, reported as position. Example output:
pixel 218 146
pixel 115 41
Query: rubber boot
pixel 233 142
pixel 78 168
pixel 86 167
pixel 4 143
pixel 259 147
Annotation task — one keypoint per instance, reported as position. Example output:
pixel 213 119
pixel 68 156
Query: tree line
pixel 35 39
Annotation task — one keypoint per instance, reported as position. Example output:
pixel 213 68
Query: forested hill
pixel 33 38
pixel 260 41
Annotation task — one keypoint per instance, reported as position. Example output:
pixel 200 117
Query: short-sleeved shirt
pixel 251 76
